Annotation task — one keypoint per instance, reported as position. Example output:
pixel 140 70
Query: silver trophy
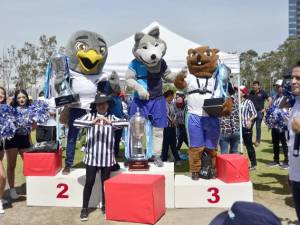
pixel 138 160
pixel 60 72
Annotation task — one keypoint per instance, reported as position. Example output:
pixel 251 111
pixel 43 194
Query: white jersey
pixel 195 100
pixel 86 87
pixel 294 162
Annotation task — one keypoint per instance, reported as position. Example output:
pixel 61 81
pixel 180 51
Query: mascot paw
pixel 143 94
pixel 179 80
pixel 227 107
pixel 296 125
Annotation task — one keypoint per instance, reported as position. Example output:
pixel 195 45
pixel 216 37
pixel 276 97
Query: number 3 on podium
pixel 215 195
pixel 64 188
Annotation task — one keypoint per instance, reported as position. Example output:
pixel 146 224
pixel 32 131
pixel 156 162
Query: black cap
pixel 246 213
pixel 100 98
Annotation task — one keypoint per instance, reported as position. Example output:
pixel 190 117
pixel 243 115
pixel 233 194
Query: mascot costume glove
pixel 144 75
pixel 205 80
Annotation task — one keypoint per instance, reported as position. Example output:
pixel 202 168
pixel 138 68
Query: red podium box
pixel 232 168
pixel 135 198
pixel 42 164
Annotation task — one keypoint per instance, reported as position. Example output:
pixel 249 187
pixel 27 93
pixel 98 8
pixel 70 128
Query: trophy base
pixel 66 99
pixel 137 165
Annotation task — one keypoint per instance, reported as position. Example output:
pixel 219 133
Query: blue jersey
pixel 152 82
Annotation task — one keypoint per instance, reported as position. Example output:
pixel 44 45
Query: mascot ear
pixel 154 32
pixel 215 50
pixel 138 37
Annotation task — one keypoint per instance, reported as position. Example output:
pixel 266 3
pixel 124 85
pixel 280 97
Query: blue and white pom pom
pixel 39 111
pixel 277 118
pixel 7 119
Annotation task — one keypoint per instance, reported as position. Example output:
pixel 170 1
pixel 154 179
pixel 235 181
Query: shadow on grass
pixel 268 150
pixel 266 141
pixel 284 188
pixel 264 161
pixel 289 201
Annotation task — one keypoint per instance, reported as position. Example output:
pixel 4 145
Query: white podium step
pixel 209 193
pixel 67 190
pixel 60 190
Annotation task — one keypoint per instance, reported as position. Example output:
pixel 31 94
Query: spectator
pixel 258 97
pixel 2 170
pixel 180 109
pixel 294 131
pixel 230 127
pixel 169 139
pixel 47 130
pixel 246 213
pixel 278 133
pixel 248 115
pixel 18 143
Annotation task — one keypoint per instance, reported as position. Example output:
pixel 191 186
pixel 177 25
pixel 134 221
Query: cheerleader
pixel 2 170
pixel 19 142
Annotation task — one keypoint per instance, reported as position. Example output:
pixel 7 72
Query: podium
pixel 60 190
pixel 209 193
pixel 67 190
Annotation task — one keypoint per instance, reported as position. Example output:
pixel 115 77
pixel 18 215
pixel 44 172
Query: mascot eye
pixel 156 44
pixel 145 47
pixel 208 53
pixel 102 50
pixel 80 46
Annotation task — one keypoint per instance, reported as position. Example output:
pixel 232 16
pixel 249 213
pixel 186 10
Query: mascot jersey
pixel 155 107
pixel 204 131
pixel 86 87
pixel 152 82
pixel 199 89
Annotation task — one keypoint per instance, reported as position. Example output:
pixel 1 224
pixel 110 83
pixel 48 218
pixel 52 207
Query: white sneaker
pixel 1 207
pixel 13 194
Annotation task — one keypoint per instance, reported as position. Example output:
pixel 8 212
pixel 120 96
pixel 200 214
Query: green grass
pixel 264 179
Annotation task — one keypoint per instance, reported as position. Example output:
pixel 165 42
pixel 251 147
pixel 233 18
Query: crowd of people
pixel 252 107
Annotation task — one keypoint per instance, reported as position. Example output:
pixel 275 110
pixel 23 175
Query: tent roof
pixel 120 54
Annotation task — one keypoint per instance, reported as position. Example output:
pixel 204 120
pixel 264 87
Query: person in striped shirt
pixel 248 115
pixel 99 148
pixel 169 139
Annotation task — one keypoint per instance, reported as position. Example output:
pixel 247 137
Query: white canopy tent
pixel 120 54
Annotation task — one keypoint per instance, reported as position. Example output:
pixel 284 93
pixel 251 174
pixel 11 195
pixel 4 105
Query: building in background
pixel 294 18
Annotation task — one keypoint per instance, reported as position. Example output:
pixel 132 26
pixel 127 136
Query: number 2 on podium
pixel 215 195
pixel 64 188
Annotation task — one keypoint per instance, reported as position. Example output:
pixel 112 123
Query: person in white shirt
pixel 294 142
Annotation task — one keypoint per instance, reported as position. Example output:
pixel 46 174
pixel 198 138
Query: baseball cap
pixel 244 89
pixel 278 82
pixel 246 213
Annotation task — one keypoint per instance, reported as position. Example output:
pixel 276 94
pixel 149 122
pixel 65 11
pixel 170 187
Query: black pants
pixel 247 138
pixel 277 137
pixel 118 135
pixel 182 136
pixel 45 133
pixel 296 197
pixel 169 140
pixel 91 172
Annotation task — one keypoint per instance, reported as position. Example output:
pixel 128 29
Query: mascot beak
pixel 89 60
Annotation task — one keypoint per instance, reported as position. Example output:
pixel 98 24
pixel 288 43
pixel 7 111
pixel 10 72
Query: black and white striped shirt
pixel 277 100
pixel 171 114
pixel 247 110
pixel 99 148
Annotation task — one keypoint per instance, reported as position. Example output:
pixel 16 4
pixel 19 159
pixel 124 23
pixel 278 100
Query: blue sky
pixel 230 25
